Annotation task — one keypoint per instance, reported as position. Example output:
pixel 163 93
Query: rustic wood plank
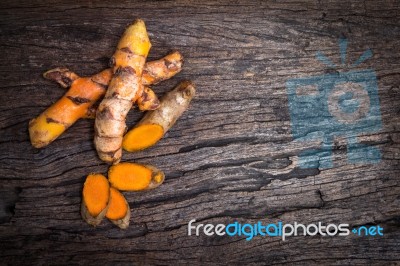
pixel 231 157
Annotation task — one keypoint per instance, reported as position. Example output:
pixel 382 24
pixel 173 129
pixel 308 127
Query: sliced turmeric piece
pixel 152 127
pixel 85 91
pixel 118 211
pixel 128 62
pixel 95 198
pixel 135 177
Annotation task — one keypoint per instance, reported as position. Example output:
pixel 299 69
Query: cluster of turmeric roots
pixel 108 97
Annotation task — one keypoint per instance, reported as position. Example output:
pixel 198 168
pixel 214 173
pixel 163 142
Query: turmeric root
pixel 91 112
pixel 162 69
pixel 118 211
pixel 72 106
pixel 61 115
pixel 128 62
pixel 135 177
pixel 95 198
pixel 65 77
pixel 148 100
pixel 155 124
pixel 153 72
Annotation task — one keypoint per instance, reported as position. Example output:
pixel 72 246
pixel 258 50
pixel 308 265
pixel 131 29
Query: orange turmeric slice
pixel 118 211
pixel 95 198
pixel 142 137
pixel 135 177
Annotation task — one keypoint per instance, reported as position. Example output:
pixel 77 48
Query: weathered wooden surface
pixel 230 158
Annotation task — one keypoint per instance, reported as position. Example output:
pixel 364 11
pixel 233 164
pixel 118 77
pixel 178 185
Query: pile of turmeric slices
pixel 108 97
pixel 101 197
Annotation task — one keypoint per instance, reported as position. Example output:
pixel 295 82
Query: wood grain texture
pixel 231 157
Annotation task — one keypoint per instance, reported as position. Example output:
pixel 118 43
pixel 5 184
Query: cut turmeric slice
pixel 142 137
pixel 118 211
pixel 95 198
pixel 135 177
pixel 155 124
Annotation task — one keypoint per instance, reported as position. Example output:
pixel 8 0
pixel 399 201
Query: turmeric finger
pixel 155 124
pixel 73 105
pixel 153 72
pixel 128 62
pixel 95 198
pixel 62 75
pixel 135 177
pixel 162 69
pixel 91 111
pixel 118 211
pixel 148 100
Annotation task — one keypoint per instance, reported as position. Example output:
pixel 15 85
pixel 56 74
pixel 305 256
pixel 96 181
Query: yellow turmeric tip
pixel 95 198
pixel 135 177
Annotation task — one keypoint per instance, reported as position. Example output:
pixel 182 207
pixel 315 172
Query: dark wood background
pixel 231 157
